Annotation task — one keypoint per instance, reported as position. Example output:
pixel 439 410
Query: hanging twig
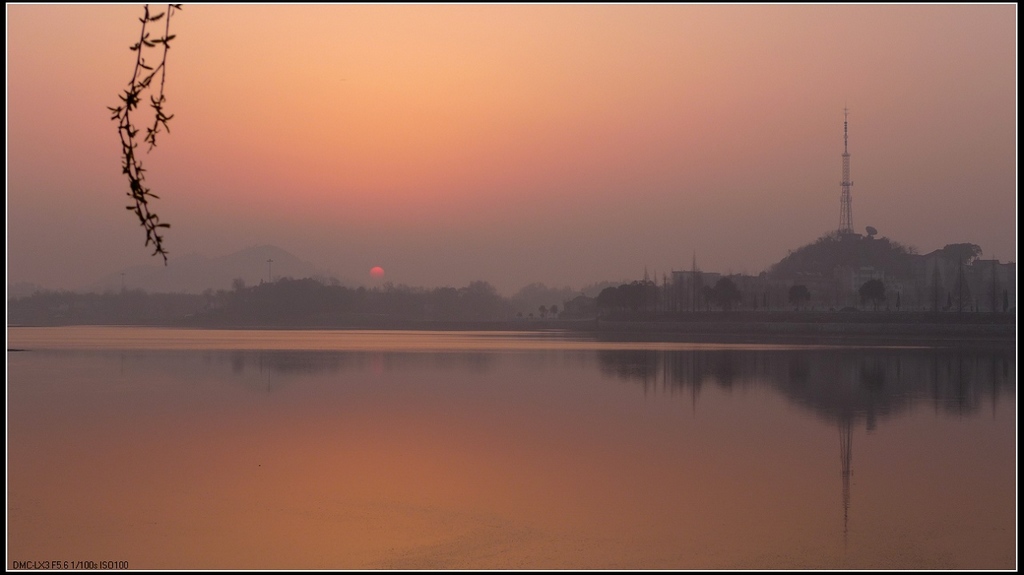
pixel 142 78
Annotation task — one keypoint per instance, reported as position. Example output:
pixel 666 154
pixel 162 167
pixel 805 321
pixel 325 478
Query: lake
pixel 218 449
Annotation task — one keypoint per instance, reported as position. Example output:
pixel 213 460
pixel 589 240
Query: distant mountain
pixel 195 273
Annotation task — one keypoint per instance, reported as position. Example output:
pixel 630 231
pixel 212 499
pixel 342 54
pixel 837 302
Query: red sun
pixel 377 272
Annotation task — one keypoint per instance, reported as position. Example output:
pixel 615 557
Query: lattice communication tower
pixel 845 202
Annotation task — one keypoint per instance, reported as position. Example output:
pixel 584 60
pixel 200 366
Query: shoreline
pixel 730 330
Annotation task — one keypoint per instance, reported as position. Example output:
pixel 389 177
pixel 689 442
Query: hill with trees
pixel 851 251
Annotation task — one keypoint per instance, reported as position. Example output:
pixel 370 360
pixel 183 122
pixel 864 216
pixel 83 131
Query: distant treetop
pixel 965 253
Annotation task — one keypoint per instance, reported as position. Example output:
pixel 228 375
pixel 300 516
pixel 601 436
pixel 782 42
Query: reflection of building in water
pixel 866 385
pixel 842 387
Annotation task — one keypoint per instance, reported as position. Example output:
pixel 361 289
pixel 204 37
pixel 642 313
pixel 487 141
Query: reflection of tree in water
pixel 676 371
pixel 284 362
pixel 841 387
pixel 835 384
pixel 723 368
pixel 269 370
pixel 291 363
pixel 631 365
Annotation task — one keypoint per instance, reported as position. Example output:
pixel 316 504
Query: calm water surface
pixel 316 449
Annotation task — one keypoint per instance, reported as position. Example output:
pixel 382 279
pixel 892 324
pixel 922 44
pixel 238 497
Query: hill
pixel 195 273
pixel 850 251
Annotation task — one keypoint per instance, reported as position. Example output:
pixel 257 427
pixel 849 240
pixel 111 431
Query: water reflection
pixel 572 458
pixel 842 387
pixel 837 385
pixel 272 369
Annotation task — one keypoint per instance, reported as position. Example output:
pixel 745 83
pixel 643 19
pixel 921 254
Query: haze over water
pixel 439 145
pixel 513 143
pixel 207 449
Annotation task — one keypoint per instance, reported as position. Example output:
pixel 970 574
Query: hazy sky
pixel 513 143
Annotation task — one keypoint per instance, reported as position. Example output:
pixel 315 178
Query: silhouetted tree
pixel 580 306
pixel 609 299
pixel 935 289
pixel 965 253
pixel 707 294
pixel 650 295
pixel 799 294
pixel 632 295
pixel 963 288
pixel 480 300
pixel 725 294
pixel 872 291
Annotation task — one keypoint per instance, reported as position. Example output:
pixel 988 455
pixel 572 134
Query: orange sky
pixel 555 143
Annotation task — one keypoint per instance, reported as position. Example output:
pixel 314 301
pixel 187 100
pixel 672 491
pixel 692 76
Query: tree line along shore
pixel 309 304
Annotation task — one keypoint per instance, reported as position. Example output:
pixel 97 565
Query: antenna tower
pixel 845 202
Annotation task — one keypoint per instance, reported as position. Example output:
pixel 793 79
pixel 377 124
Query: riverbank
pixel 789 332
pixel 826 328
pixel 839 333
pixel 830 328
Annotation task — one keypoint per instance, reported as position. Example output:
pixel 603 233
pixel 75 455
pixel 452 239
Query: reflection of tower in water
pixel 845 458
pixel 846 388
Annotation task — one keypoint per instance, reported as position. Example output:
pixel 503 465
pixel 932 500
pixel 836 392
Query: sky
pixel 563 144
